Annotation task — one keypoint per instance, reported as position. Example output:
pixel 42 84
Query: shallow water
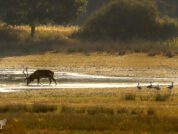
pixel 12 80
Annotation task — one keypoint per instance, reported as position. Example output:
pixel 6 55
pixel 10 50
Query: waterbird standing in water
pixel 157 87
pixel 171 86
pixel 150 86
pixel 138 86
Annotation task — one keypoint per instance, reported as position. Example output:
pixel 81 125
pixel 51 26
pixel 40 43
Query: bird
pixel 150 86
pixel 138 86
pixel 171 86
pixel 157 87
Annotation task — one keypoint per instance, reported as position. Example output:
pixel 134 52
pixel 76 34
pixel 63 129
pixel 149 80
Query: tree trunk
pixel 33 30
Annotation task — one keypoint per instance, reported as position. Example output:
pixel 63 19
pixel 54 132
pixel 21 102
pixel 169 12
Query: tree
pixel 128 19
pixel 122 19
pixel 36 12
pixel 92 6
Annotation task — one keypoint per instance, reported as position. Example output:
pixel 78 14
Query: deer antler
pixel 27 71
pixel 26 74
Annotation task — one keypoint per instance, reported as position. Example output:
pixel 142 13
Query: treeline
pixel 112 19
pixel 165 7
pixel 37 12
pixel 128 19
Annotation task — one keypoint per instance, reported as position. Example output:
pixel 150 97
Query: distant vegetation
pixel 93 5
pixel 165 7
pixel 128 19
pixel 35 13
pixel 117 27
pixel 17 41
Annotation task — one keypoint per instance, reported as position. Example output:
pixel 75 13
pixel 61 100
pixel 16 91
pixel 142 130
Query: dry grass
pixel 90 111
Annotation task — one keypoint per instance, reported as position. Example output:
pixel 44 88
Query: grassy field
pixel 90 111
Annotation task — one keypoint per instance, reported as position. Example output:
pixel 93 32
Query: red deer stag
pixel 38 74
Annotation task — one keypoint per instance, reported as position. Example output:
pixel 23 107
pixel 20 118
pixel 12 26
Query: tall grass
pixel 34 108
pixel 130 97
pixel 162 97
pixel 43 33
pixel 88 111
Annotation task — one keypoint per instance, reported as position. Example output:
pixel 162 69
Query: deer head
pixel 27 78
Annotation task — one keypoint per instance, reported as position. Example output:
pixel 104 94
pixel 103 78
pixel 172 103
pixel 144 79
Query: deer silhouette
pixel 38 74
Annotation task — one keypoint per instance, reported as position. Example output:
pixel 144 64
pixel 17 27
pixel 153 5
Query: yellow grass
pixel 66 30
pixel 91 111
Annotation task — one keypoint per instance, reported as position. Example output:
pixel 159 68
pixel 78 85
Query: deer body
pixel 38 74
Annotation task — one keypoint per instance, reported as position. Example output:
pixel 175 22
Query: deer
pixel 3 123
pixel 38 74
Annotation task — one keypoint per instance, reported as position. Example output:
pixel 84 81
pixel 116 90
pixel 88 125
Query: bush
pixel 130 97
pixel 136 111
pixel 151 111
pixel 122 111
pixel 34 108
pixel 13 108
pixel 169 54
pixel 162 97
pixel 69 109
pixel 126 19
pixel 100 110
pixel 42 108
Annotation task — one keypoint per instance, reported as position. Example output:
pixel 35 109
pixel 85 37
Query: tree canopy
pixel 35 12
pixel 126 19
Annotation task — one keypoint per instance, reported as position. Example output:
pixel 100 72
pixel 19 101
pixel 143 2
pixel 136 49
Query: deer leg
pixel 50 81
pixel 54 81
pixel 38 81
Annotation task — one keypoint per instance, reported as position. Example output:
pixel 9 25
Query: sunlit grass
pixel 50 33
pixel 89 111
pixel 66 30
